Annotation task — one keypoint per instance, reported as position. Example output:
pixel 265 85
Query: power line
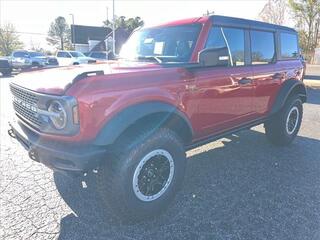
pixel 31 33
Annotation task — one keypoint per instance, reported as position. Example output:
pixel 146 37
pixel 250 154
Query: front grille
pixel 25 105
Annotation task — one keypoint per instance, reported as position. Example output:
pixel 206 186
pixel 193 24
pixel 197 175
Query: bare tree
pixel 274 12
pixel 9 39
pixel 306 14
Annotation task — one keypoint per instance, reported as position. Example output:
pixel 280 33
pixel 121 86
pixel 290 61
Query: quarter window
pixel 289 45
pixel 230 42
pixel 262 47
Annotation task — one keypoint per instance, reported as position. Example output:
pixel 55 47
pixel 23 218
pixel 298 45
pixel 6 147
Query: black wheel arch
pixel 148 114
pixel 289 87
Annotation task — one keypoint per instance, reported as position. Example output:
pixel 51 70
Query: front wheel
pixel 282 129
pixel 144 176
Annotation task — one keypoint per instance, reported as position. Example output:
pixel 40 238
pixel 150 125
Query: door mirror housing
pixel 211 57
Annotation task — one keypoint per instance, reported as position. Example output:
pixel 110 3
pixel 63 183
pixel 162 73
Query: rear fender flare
pixel 289 87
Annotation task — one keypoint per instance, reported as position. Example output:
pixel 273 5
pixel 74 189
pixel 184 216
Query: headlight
pixel 58 116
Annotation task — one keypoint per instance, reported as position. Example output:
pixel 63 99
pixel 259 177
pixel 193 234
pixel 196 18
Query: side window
pixel 63 55
pixel 229 41
pixel 60 54
pixel 289 45
pixel 262 47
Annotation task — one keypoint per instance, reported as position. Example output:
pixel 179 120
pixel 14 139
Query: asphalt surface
pixel 240 187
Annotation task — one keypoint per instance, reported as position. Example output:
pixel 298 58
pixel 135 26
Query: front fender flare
pixel 119 123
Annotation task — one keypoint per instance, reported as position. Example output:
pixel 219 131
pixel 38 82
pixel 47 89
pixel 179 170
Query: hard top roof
pixel 228 21
pixel 246 23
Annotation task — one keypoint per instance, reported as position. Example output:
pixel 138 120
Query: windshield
pixel 36 54
pixel 169 44
pixel 77 54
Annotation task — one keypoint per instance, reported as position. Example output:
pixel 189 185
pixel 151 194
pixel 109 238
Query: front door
pixel 225 92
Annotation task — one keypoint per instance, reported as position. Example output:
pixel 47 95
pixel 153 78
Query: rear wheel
pixel 284 126
pixel 143 176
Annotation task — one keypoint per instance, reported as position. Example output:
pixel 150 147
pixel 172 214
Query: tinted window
pixel 36 54
pixel 230 39
pixel 77 54
pixel 21 54
pixel 99 55
pixel 262 47
pixel 289 45
pixel 63 55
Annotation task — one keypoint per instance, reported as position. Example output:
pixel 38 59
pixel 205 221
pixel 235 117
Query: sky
pixel 35 16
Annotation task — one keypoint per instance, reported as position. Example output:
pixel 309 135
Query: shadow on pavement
pixel 313 95
pixel 240 188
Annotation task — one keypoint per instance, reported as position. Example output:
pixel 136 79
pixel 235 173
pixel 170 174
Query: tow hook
pixel 33 155
pixel 11 133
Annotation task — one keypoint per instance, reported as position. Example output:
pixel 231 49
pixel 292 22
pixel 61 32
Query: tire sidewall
pixel 294 102
pixel 161 140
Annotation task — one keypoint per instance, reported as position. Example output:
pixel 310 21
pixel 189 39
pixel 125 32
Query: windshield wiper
pixel 150 57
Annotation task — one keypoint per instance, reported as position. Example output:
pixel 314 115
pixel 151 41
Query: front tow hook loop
pixel 33 155
pixel 11 133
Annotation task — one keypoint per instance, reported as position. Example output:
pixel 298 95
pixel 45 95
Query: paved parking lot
pixel 240 187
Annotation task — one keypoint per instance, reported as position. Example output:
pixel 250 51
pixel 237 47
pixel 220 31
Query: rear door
pixel 224 92
pixel 268 72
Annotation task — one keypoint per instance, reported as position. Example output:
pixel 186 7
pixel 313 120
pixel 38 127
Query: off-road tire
pixel 116 177
pixel 277 130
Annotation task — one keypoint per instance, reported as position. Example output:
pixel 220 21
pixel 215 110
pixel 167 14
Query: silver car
pixel 20 60
pixel 27 59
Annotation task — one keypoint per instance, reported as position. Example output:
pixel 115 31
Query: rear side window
pixel 262 47
pixel 289 45
pixel 231 40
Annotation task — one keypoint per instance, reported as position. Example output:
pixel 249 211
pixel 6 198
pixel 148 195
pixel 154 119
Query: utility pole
pixel 73 36
pixel 107 14
pixel 113 30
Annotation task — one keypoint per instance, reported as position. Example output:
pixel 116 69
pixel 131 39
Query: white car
pixel 66 58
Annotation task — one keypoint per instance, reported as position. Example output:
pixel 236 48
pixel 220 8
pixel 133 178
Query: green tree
pixel 128 24
pixel 306 14
pixel 59 34
pixel 9 39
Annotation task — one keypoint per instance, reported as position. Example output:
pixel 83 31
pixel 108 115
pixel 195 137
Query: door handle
pixel 244 81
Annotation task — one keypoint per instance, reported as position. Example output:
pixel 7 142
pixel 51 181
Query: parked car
pixel 27 59
pixel 98 55
pixel 177 86
pixel 5 67
pixel 66 58
pixel 20 59
pixel 40 60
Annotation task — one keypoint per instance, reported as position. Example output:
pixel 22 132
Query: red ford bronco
pixel 175 87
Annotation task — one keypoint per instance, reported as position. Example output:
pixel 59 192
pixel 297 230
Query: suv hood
pixel 57 80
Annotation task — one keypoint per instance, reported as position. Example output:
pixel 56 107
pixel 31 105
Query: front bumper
pixel 57 155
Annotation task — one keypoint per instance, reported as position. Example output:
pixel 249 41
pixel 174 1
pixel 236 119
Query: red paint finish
pixel 211 98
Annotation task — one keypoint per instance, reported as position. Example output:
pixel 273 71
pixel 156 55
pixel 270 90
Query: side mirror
pixel 211 57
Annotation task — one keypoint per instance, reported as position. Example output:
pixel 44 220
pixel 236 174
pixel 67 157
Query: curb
pixel 312 83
